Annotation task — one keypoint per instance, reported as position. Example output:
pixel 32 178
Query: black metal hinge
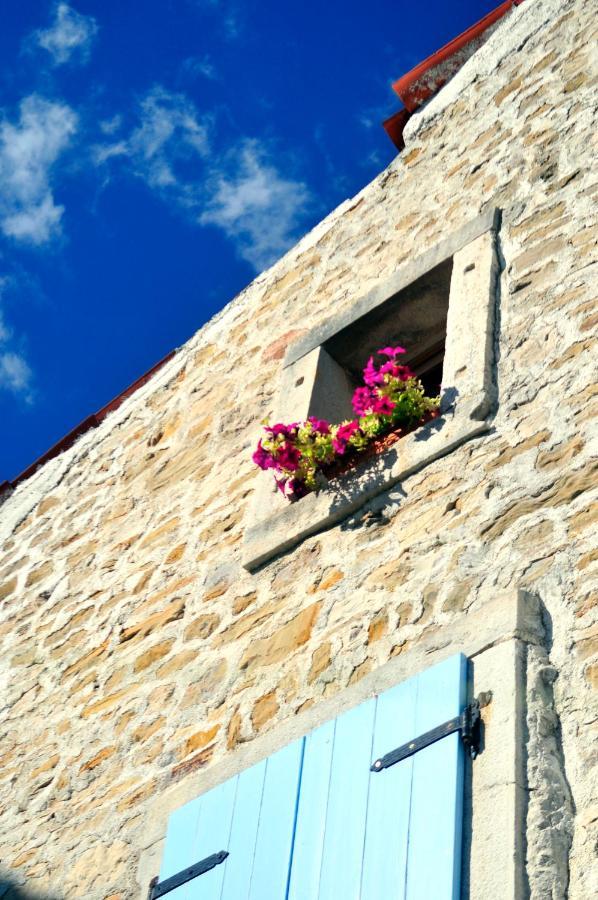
pixel 158 889
pixel 468 723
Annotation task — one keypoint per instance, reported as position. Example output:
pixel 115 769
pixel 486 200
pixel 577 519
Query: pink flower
pixel 390 368
pixel 392 351
pixel 263 458
pixel 319 425
pixel 343 435
pixel 362 400
pixel 400 372
pixel 280 429
pixel 383 405
pixel 371 376
pixel 288 457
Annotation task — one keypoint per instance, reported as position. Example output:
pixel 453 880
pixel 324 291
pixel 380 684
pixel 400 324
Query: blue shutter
pixel 312 822
pixel 252 817
pixel 389 835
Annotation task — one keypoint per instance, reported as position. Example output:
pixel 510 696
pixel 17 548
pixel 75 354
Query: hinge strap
pixel 158 889
pixel 468 723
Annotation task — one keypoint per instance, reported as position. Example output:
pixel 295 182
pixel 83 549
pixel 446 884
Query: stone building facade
pixel 147 653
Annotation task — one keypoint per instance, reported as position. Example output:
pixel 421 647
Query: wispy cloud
pixel 229 15
pixel 15 374
pixel 203 66
pixel 240 190
pixel 255 205
pixel 29 150
pixel 69 36
pixel 168 135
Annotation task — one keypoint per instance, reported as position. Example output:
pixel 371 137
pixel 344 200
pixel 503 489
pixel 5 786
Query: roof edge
pixel 87 424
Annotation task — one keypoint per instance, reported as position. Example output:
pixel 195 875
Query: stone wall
pixel 136 650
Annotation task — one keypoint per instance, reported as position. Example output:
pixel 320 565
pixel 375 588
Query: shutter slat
pixel 387 830
pixel 347 804
pixel 434 855
pixel 311 819
pixel 213 835
pixel 180 843
pixel 276 828
pixel 238 866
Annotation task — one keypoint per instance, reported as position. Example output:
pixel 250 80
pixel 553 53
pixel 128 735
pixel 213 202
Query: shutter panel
pixel 389 835
pixel 435 826
pixel 252 817
pixel 312 822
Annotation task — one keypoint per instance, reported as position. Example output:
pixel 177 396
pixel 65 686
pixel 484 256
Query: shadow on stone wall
pixel 10 890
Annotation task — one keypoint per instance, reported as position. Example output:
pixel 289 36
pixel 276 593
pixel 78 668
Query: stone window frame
pixel 496 639
pixel 468 396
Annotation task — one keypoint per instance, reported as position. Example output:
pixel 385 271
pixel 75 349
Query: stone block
pixel 284 641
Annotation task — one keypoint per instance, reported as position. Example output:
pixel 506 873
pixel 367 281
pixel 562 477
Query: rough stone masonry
pixel 136 650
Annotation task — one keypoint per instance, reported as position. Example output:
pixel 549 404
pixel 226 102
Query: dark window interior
pixel 415 318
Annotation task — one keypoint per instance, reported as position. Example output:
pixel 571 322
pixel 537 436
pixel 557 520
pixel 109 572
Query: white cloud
pixel 241 191
pixel 70 33
pixel 170 132
pixel 4 329
pixel 15 374
pixel 195 65
pixel 257 208
pixel 28 151
pixel 169 135
pixel 110 126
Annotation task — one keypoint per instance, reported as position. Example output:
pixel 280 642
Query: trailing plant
pixel 391 399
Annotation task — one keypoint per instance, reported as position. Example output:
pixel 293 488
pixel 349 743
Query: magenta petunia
pixel 280 429
pixel 343 436
pixel 319 425
pixel 392 351
pixel 263 458
pixel 288 457
pixel 383 406
pixel 371 375
pixel 390 368
pixel 362 400
pixel 404 372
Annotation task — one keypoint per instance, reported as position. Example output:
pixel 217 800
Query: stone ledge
pixel 316 512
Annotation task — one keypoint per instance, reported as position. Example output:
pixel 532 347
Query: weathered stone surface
pixel 152 655
pixel 202 627
pixel 563 490
pixel 320 661
pixel 141 629
pixel 263 710
pixel 198 741
pixel 7 588
pixel 98 759
pixel 378 626
pixel 283 642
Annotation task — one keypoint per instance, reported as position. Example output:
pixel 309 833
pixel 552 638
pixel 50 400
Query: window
pixel 441 306
pixel 314 822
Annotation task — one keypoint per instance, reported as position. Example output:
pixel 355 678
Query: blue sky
pixel 155 156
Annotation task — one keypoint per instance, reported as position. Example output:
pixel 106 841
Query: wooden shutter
pixel 252 817
pixel 313 822
pixel 389 835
